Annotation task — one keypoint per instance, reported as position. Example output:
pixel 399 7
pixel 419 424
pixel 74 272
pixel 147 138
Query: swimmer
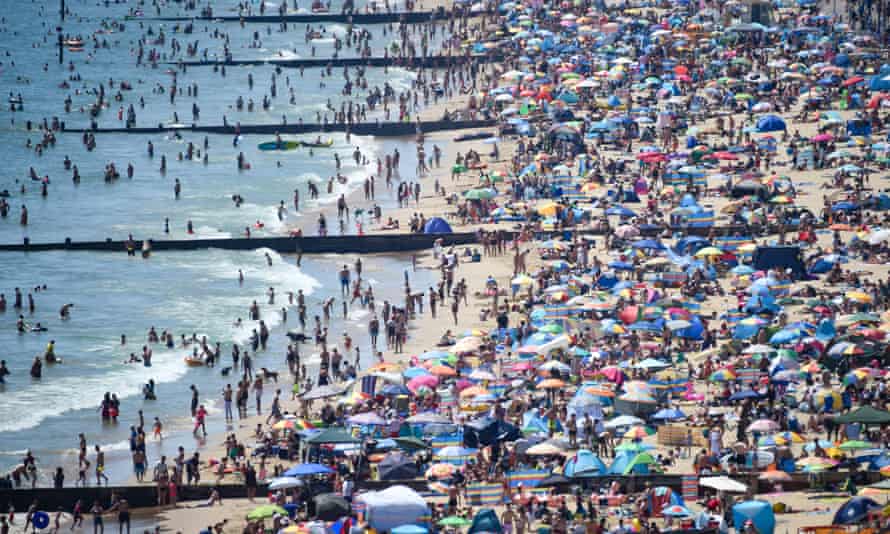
pixel 50 354
pixel 65 312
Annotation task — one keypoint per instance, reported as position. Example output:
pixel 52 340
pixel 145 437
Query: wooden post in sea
pixel 61 43
pixel 62 9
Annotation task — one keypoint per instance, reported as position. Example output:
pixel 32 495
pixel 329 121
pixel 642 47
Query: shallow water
pixel 189 292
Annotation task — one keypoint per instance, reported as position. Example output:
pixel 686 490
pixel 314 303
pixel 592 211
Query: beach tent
pixel 584 464
pixel 487 431
pixel 881 82
pixel 854 511
pixel 397 466
pixel 750 188
pixel 393 507
pixel 331 507
pixel 660 498
pixel 437 225
pixel 758 512
pixel 758 304
pixel 332 435
pixel 865 416
pixel 780 257
pixel 304 470
pixel 486 521
pixel 771 123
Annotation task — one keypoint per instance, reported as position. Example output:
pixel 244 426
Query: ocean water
pixel 184 293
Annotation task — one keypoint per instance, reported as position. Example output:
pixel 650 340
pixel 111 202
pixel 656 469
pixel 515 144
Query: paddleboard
pixel 272 145
pixel 323 144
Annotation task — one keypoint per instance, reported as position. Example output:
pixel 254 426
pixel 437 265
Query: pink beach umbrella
pixel 430 381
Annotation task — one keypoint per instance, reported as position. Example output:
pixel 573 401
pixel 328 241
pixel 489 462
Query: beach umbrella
pixel 266 511
pixel 763 425
pixel 443 370
pixel 551 383
pixel 722 375
pixel 293 424
pixel 638 432
pixel 473 391
pixel 789 437
pixel 723 483
pixel 467 344
pixel 708 252
pixel 622 421
pixel 544 449
pixel 554 365
pixel 309 469
pixel 676 510
pixel 417 382
pixel 859 297
pixel 775 476
pixel 367 419
pixel 479 194
pixel 669 414
pixel 634 447
pixel 331 507
pixel 855 445
pixel 440 471
pixel 285 483
pixel 454 521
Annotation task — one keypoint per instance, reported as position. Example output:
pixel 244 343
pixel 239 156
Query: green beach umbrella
pixel 479 194
pixel 266 511
pixel 551 328
pixel 453 521
pixel 855 444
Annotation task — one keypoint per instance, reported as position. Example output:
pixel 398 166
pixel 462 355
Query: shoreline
pixel 356 194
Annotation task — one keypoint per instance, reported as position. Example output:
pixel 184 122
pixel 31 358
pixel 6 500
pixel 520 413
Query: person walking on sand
pixel 200 416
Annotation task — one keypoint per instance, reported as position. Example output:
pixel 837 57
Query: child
pixel 157 429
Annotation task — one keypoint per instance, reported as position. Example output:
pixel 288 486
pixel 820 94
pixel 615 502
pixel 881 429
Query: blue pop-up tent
pixel 854 511
pixel 771 123
pixel 584 464
pixel 758 512
pixel 437 225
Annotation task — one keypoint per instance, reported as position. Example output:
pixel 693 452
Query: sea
pixel 194 292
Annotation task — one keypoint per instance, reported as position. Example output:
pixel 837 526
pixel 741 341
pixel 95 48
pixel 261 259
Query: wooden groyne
pixel 381 129
pixel 428 62
pixel 408 17
pixel 367 244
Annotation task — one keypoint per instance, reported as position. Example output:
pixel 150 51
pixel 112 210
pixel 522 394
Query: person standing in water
pixel 100 467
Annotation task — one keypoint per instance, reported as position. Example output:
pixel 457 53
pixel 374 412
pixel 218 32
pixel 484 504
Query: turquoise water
pixel 191 292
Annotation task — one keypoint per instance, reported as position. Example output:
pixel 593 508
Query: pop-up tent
pixel 771 123
pixel 584 464
pixel 437 225
pixel 783 258
pixel 393 507
pixel 488 431
pixel 486 521
pixel 854 511
pixel 760 513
